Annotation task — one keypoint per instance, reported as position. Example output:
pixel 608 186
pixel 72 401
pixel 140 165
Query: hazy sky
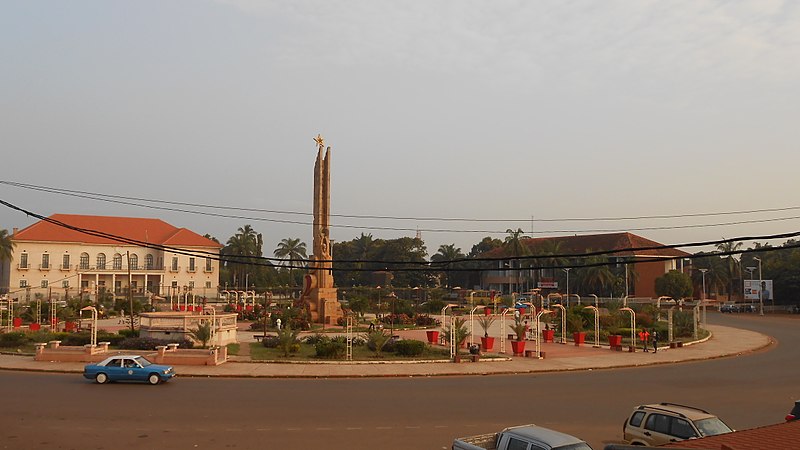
pixel 454 109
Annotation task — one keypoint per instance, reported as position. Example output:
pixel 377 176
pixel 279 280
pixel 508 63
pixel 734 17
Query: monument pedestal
pixel 324 306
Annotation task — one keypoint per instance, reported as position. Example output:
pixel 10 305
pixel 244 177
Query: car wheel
pixel 153 379
pixel 101 378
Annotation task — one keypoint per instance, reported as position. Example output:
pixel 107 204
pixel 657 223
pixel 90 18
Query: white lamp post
pixel 760 297
pixel 567 272
pixel 703 271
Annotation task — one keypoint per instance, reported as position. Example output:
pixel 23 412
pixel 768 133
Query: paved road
pixel 64 411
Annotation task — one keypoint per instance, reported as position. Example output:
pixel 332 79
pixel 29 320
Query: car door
pixel 115 370
pixel 133 371
pixel 656 430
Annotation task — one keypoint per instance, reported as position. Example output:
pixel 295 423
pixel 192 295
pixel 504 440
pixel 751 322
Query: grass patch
pixel 233 349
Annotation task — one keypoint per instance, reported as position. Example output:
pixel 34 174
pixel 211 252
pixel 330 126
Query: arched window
pixel 134 262
pixel 117 261
pixel 148 262
pixel 84 262
pixel 101 261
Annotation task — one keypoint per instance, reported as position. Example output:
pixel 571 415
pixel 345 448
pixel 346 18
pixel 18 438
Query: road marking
pixel 413 428
pixel 383 428
pixel 440 426
pixel 294 429
pixel 353 428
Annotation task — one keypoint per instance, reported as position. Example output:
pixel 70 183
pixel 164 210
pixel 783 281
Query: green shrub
pixel 330 349
pixel 13 339
pixel 316 338
pixel 140 343
pixel 409 347
pixel 270 342
pixel 127 332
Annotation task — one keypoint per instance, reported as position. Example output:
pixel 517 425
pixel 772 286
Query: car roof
pixel 120 357
pixel 688 412
pixel 545 435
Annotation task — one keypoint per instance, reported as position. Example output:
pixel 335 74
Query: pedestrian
pixel 644 336
pixel 372 325
pixel 655 341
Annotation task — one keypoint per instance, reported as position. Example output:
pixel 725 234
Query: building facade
pixel 89 255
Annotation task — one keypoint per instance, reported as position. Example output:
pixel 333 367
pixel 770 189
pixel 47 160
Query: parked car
pixel 521 437
pixel 662 423
pixel 128 368
pixel 795 414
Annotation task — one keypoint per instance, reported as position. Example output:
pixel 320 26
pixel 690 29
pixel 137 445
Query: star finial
pixel 319 140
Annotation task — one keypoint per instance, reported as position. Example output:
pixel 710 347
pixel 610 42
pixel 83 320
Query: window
pixel 45 261
pixel 84 262
pixel 174 264
pixel 23 283
pixel 23 260
pixel 84 284
pixel 148 262
pixel 191 264
pixel 191 285
pixel 174 284
pixel 658 423
pixel 208 285
pixel 681 429
pixel 208 265
pixel 65 283
pixel 133 261
pixel 101 261
pixel 516 444
pixel 117 286
pixel 65 262
pixel 117 261
pixel 636 418
pixel 44 284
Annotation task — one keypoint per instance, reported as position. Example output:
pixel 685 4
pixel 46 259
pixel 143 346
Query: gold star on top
pixel 319 140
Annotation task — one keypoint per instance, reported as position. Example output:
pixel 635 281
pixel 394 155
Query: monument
pixel 319 294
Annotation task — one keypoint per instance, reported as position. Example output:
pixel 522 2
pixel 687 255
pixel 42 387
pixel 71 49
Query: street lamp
pixel 703 271
pixel 760 297
pixel 567 271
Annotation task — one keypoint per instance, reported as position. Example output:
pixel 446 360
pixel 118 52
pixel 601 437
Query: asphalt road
pixel 54 411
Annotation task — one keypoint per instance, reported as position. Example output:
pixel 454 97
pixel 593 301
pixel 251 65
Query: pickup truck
pixel 522 437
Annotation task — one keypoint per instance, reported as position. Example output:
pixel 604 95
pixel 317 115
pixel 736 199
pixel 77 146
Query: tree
pixel 595 279
pixel 245 246
pixel 6 250
pixel 485 245
pixel 202 333
pixel 447 253
pixel 674 284
pixel 514 246
pixel 291 250
pixel 732 268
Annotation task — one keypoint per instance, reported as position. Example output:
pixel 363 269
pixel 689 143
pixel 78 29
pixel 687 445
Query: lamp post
pixel 703 272
pixel 760 297
pixel 567 271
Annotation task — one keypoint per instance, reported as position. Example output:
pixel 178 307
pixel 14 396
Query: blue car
pixel 127 368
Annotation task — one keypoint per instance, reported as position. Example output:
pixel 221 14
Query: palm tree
pixel 514 246
pixel 447 253
pixel 6 250
pixel 732 268
pixel 247 245
pixel 291 250
pixel 596 278
pixel 550 249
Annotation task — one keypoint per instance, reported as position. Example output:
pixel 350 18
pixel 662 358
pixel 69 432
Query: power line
pixel 130 201
pixel 427 266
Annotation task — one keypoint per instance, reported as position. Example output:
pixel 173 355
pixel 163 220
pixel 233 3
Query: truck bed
pixel 478 442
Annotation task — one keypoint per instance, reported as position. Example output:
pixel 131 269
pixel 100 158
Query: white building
pixel 75 254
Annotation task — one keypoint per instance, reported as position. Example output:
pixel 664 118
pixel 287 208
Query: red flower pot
pixel 518 347
pixel 615 340
pixel 487 311
pixel 487 343
pixel 17 322
pixel 433 336
pixel 35 327
pixel 548 335
pixel 579 337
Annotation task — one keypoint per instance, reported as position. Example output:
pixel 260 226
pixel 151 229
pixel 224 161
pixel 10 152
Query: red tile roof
pixel 782 436
pixel 598 242
pixel 152 231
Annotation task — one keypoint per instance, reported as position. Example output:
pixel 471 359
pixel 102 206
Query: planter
pixel 522 311
pixel 69 326
pixel 615 340
pixel 17 322
pixel 487 343
pixel 579 337
pixel 548 335
pixel 518 347
pixel 35 327
pixel 487 311
pixel 433 336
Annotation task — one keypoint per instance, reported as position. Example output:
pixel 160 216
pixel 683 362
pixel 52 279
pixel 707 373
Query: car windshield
pixel 143 362
pixel 711 426
pixel 580 446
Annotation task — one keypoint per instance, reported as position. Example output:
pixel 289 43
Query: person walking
pixel 655 341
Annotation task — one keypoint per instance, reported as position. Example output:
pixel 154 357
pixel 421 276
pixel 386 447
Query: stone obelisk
pixel 319 293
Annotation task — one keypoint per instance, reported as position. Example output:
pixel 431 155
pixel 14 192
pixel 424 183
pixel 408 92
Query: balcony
pixel 44 266
pixel 23 266
pixel 174 269
pixel 120 270
pixel 64 268
pixel 192 269
pixel 208 269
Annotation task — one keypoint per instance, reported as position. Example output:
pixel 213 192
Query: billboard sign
pixel 547 285
pixel 752 288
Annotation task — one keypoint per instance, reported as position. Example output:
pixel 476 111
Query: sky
pixel 508 114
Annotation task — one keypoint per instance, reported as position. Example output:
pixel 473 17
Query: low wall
pixel 169 355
